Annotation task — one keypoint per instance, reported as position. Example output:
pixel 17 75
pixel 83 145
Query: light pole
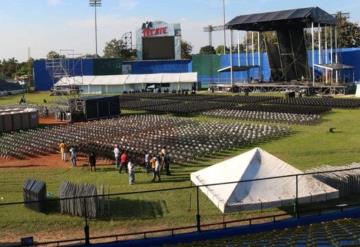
pixel 224 19
pixel 95 4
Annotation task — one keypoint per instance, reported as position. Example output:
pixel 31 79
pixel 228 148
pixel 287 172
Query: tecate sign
pixel 160 31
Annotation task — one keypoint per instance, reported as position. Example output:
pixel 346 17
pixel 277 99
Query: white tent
pixel 190 77
pixel 357 91
pixel 121 83
pixel 252 195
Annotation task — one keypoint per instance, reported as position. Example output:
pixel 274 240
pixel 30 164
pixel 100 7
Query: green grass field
pixel 306 147
pixel 31 98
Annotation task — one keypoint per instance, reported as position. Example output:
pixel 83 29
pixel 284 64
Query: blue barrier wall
pixel 78 67
pixel 242 76
pixel 75 67
pixel 161 66
pixel 348 56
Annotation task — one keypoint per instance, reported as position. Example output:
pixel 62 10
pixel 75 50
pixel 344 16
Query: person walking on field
pixel 73 156
pixel 163 150
pixel 131 169
pixel 92 161
pixel 124 159
pixel 117 156
pixel 63 150
pixel 147 162
pixel 155 164
pixel 167 164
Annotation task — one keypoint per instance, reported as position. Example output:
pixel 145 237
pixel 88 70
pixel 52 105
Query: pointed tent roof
pixel 257 164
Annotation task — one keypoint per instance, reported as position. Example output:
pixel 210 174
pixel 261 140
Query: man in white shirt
pixel 131 170
pixel 73 156
pixel 117 156
pixel 147 161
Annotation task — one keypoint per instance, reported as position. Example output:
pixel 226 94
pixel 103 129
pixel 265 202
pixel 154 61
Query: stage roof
pixel 270 21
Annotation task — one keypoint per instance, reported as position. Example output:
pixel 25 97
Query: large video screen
pixel 158 48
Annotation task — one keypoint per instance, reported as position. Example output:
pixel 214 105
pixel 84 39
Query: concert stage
pixel 307 88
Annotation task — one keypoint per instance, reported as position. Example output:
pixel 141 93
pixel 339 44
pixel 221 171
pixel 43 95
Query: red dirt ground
pixel 51 121
pixel 49 161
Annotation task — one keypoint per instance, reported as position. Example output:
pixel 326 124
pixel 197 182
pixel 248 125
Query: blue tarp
pixel 74 67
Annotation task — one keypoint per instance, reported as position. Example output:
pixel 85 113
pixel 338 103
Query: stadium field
pixel 305 148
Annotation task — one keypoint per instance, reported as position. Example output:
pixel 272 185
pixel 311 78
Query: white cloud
pixel 128 4
pixel 54 2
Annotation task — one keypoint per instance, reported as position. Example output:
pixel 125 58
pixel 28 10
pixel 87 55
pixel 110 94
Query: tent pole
pixel 259 57
pixel 313 53
pixel 224 22
pixel 326 46
pixel 319 42
pixel 246 49
pixel 331 45
pixel 252 48
pixel 198 223
pixel 336 57
pixel 326 76
pixel 331 52
pixel 231 59
pixel 297 196
pixel 353 77
pixel 238 46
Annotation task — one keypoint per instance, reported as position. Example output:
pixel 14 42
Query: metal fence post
pixel 296 198
pixel 86 227
pixel 198 223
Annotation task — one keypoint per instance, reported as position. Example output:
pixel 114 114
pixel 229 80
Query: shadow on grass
pixel 52 207
pixel 9 244
pixel 120 208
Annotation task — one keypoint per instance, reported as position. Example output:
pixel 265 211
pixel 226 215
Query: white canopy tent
pixel 191 77
pixel 252 195
pixel 357 91
pixel 121 83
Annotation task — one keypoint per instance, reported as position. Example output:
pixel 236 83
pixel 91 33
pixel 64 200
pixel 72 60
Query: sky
pixel 37 26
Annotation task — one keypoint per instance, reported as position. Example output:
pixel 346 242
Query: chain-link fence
pixel 84 213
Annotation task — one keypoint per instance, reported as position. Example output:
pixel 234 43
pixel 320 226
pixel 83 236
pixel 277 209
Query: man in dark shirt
pixel 92 161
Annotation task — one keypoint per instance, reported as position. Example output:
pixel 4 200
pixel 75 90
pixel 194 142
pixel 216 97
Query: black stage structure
pixel 94 107
pixel 284 34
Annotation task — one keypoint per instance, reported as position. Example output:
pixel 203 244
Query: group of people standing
pixel 152 163
pixel 64 150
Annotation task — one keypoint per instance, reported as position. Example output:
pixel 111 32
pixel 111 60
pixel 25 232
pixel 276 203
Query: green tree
pixel 220 50
pixel 209 49
pixel 8 68
pixel 54 55
pixel 186 49
pixel 348 32
pixel 116 49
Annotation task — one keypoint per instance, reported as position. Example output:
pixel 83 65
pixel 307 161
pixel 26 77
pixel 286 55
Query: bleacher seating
pixel 7 88
pixel 344 232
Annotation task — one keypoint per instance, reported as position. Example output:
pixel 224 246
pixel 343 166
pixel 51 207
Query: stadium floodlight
pixel 95 4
